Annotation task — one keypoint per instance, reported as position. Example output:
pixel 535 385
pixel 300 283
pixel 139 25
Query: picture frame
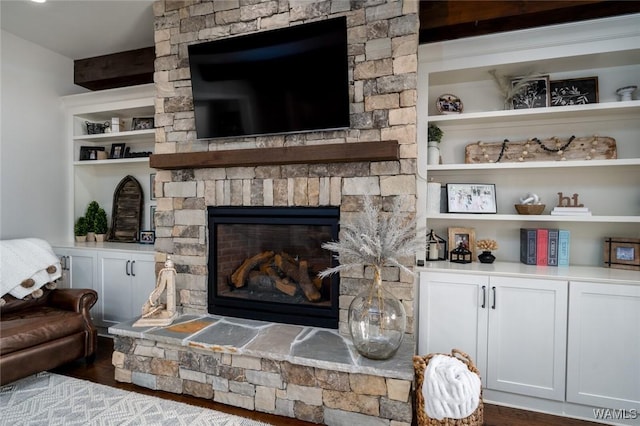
pixel 89 152
pixel 471 198
pixel 622 253
pixel 117 151
pixel 466 236
pixel 152 215
pixel 574 91
pixel 152 186
pixel 533 94
pixel 142 123
pixel 147 237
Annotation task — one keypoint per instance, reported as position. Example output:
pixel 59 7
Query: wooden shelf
pixel 314 154
pixel 129 136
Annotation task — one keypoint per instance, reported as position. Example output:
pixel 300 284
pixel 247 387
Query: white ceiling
pixel 81 29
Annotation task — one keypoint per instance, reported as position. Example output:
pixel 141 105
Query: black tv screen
pixel 293 79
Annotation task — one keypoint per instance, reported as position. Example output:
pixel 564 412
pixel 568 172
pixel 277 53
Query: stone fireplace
pixel 375 156
pixel 264 264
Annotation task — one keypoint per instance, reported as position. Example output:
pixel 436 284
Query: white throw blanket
pixel 450 389
pixel 26 258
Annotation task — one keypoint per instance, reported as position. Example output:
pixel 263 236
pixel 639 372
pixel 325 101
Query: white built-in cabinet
pixel 123 274
pixel 126 280
pixel 604 345
pixel 606 48
pixel 566 343
pixel 513 328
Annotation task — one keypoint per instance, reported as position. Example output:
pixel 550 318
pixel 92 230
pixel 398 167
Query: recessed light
pixel 38 1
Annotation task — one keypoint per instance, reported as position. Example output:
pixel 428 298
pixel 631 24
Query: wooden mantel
pixel 309 154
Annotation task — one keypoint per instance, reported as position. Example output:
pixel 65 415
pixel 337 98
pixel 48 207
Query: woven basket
pixel 420 365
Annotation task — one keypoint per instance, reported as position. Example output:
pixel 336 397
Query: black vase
pixel 486 257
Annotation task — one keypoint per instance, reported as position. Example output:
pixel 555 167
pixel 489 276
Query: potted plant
pixel 80 229
pixel 376 239
pixel 90 217
pixel 433 144
pixel 100 224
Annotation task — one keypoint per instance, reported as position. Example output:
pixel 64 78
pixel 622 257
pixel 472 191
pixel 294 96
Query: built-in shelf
pixel 111 161
pixel 534 165
pixel 130 136
pixel 534 218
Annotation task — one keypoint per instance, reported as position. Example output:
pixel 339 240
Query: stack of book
pixel 571 211
pixel 544 247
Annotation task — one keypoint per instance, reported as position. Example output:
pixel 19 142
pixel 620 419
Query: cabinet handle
pixel 126 268
pixel 67 263
pixel 133 262
pixel 484 296
pixel 494 297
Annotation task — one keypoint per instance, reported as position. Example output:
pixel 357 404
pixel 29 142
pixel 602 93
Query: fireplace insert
pixel 264 263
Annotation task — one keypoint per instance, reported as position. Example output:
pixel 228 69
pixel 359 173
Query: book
pixel 542 242
pixel 564 242
pixel 528 246
pixel 552 252
pixel 571 209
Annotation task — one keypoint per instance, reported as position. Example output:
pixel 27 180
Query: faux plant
pixel 487 245
pixel 80 228
pixel 435 133
pixel 100 223
pixel 510 88
pixel 375 238
pixel 90 215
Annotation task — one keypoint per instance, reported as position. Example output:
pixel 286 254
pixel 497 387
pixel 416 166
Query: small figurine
pixel 154 313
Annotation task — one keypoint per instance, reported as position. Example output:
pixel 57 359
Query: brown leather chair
pixel 44 333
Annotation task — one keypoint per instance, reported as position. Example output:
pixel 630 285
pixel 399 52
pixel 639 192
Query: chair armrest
pixel 74 299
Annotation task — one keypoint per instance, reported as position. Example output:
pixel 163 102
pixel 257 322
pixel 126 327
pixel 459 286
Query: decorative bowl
pixel 529 208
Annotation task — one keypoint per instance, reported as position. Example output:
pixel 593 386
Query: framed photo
pixel 534 93
pixel 622 253
pixel 575 91
pixel 147 237
pixel 471 198
pixel 152 186
pixel 90 152
pixel 464 236
pixel 142 123
pixel 117 150
pixel 152 215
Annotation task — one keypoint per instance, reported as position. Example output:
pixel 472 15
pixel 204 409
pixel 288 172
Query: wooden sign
pixel 126 215
pixel 552 149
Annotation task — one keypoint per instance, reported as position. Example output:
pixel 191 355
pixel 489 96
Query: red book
pixel 541 249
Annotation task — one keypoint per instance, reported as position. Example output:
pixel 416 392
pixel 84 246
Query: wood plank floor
pixel 102 371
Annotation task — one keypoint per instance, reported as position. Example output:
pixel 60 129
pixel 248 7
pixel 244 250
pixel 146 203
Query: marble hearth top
pixel 303 345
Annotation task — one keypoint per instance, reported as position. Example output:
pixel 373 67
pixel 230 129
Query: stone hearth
pixel 309 373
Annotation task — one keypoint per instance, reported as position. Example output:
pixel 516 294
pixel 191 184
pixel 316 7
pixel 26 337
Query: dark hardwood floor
pixel 102 371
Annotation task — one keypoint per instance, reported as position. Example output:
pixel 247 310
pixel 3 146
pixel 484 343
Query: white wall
pixel 35 189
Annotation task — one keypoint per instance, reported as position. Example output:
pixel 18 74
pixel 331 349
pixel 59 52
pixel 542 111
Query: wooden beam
pixel 313 154
pixel 122 69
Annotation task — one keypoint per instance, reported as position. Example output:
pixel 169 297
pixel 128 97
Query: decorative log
pixel 308 288
pixel 282 284
pixel 553 149
pixel 240 275
pixel 317 281
pixel 299 275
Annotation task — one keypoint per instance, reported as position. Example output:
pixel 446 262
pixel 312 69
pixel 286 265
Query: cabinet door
pixel 115 282
pixel 527 336
pixel 143 281
pixel 604 345
pixel 78 268
pixel 452 314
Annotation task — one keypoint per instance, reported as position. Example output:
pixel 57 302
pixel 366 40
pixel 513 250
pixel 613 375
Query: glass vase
pixel 377 321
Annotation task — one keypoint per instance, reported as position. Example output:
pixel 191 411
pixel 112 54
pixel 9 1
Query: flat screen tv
pixel 293 79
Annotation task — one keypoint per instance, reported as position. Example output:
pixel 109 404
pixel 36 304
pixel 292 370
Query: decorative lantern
pixel 460 254
pixel 436 247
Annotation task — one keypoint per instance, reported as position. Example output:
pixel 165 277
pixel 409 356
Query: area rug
pixel 51 399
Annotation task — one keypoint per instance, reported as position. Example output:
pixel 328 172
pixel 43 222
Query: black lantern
pixel 461 254
pixel 436 247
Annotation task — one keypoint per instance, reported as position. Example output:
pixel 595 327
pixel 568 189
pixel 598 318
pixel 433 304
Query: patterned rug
pixel 51 399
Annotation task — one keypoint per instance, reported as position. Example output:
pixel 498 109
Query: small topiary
pixel 100 223
pixel 80 228
pixel 90 215
pixel 435 133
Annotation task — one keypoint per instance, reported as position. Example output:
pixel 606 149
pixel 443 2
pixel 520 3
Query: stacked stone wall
pixel 277 387
pixel 382 48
